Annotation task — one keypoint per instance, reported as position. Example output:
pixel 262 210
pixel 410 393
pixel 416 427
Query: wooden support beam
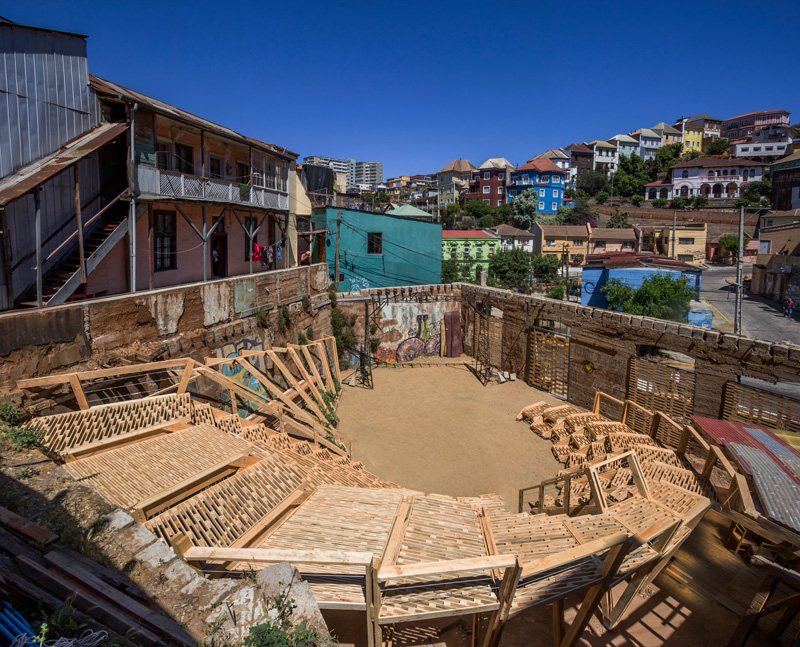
pixel 21 525
pixel 332 358
pixel 498 618
pixel 446 567
pixel 79 219
pixel 64 378
pixel 273 555
pixel 287 374
pixel 569 555
pixel 312 365
pixel 77 390
pixel 394 542
pixel 558 622
pixel 186 378
pixel 748 621
pixel 305 375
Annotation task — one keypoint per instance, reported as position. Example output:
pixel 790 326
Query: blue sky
pixel 415 85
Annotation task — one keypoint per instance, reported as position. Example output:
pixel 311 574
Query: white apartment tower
pixel 357 173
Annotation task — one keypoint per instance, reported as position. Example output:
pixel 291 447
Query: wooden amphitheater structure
pixel 232 493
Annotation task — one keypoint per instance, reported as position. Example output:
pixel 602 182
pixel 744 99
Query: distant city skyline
pixel 481 82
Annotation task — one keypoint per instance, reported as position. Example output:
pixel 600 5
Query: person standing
pixel 789 307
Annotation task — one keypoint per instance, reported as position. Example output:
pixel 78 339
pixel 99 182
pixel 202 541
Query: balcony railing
pixel 719 178
pixel 153 181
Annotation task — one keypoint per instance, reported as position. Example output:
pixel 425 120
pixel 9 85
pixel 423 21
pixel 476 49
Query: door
pixel 219 255
pixel 548 360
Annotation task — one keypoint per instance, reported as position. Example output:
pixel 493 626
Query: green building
pixel 473 247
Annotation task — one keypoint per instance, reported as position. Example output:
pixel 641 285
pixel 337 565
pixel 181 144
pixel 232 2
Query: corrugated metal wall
pixel 45 100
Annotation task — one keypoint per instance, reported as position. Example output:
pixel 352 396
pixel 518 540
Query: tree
pixel 510 268
pixel 637 200
pixel 700 201
pixel 545 266
pixel 754 191
pixel 660 203
pixel 718 147
pixel 666 156
pixel 601 197
pixel 469 222
pixel 631 175
pixel 592 182
pixel 730 242
pixel 660 295
pixel 569 193
pixel 741 202
pixel 476 209
pixel 619 221
pixel 580 214
pixel 556 293
pixel 524 209
pixel 450 270
pixel 677 202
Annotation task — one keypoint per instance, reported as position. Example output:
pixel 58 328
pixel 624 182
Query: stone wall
pixel 610 339
pixel 195 320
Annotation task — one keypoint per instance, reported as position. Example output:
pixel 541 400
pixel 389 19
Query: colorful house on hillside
pixel 626 145
pixel 473 248
pixel 377 250
pixel 689 245
pixel 452 181
pixel 570 241
pixel 691 135
pixel 489 181
pixel 544 177
pixel 649 142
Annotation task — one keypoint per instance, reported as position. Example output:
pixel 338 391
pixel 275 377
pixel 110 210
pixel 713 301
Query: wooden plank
pixel 295 384
pixel 115 442
pixel 305 375
pixel 186 377
pixel 312 365
pixel 170 496
pixel 446 567
pixel 569 555
pixel 154 620
pixel 87 602
pixel 257 531
pixel 64 378
pixel 331 358
pixel 748 621
pixel 77 390
pixel 394 541
pixel 32 531
pixel 271 556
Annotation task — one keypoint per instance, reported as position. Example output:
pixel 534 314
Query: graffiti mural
pixel 358 283
pixel 237 373
pixel 411 330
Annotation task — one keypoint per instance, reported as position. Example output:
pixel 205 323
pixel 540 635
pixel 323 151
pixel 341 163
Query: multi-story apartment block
pixel 712 126
pixel 358 173
pixel 708 176
pixel 545 178
pixel 745 125
pixel 605 156
pixel 691 135
pixel 766 144
pixel 669 134
pixel 338 166
pixel 581 160
pixel 626 145
pixel 489 181
pixel 565 241
pixel 452 181
pixel 688 245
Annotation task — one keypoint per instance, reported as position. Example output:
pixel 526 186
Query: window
pixel 500 190
pixel 545 178
pixel 646 240
pixel 165 241
pixel 579 241
pixel 685 174
pixel 242 173
pixel 523 179
pixel 374 243
pixel 250 224
pixel 487 189
pixel 627 245
pixel 541 193
pixel 501 176
pixel 685 241
pixel 550 242
pixel 686 258
pixel 466 251
pixel 600 244
pixel 756 148
pixel 163 156
pixel 487 175
pixel 554 206
pixel 541 206
pixel 767 148
pixel 745 149
pixel 479 251
pixel 453 250
pixel 555 193
pixel 184 159
pixel 487 201
pixel 214 167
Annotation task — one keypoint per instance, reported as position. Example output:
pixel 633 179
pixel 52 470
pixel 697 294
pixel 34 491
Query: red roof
pixel 467 233
pixel 459 166
pixel 660 183
pixel 757 112
pixel 541 165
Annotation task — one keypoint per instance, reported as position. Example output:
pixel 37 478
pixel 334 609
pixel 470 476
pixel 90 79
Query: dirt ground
pixel 437 429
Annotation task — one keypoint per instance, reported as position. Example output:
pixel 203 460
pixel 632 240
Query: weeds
pixel 310 333
pixel 301 339
pixel 284 318
pixel 261 318
pixel 306 304
pixel 9 413
pixel 26 473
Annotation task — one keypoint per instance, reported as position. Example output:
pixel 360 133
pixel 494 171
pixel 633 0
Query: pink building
pixel 744 125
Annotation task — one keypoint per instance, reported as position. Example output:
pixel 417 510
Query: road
pixel 761 318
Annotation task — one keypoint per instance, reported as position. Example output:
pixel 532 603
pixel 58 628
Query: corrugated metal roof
pixel 29 177
pixel 112 89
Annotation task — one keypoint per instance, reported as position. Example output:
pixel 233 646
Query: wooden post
pixel 79 219
pixel 558 621
pixel 205 246
pixel 753 613
pixel 77 389
pixel 37 202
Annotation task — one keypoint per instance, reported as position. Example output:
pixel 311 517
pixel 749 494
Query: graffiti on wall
pixel 237 373
pixel 411 330
pixel 358 283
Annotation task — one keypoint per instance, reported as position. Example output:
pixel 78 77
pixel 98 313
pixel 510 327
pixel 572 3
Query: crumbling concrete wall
pixel 608 340
pixel 165 323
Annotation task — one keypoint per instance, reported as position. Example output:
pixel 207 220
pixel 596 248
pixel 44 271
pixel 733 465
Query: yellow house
pixel 689 248
pixel 692 138
pixel 558 240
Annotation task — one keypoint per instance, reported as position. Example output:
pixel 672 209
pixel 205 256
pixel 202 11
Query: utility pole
pixel 674 226
pixel 338 238
pixel 566 265
pixel 737 320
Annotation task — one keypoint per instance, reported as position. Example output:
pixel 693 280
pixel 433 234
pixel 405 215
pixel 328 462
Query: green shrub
pixel 332 294
pixel 306 303
pixel 374 342
pixel 284 318
pixel 636 200
pixel 677 202
pixel 301 339
pixel 9 412
pixel 556 293
pixel 310 333
pixel 660 203
pixel 261 318
pixel 601 197
pixel 700 201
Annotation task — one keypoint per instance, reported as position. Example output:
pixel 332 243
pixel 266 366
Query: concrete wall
pixel 169 322
pixel 609 339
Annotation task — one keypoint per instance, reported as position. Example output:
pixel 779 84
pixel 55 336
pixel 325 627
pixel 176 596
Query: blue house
pixel 633 269
pixel 378 250
pixel 545 178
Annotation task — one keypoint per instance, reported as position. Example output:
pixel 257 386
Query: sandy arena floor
pixel 437 429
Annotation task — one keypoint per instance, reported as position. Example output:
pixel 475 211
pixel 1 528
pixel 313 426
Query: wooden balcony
pixel 151 182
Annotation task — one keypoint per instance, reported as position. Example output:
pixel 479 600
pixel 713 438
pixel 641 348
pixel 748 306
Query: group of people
pixel 788 307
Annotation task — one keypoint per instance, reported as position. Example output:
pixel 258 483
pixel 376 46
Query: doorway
pixel 219 255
